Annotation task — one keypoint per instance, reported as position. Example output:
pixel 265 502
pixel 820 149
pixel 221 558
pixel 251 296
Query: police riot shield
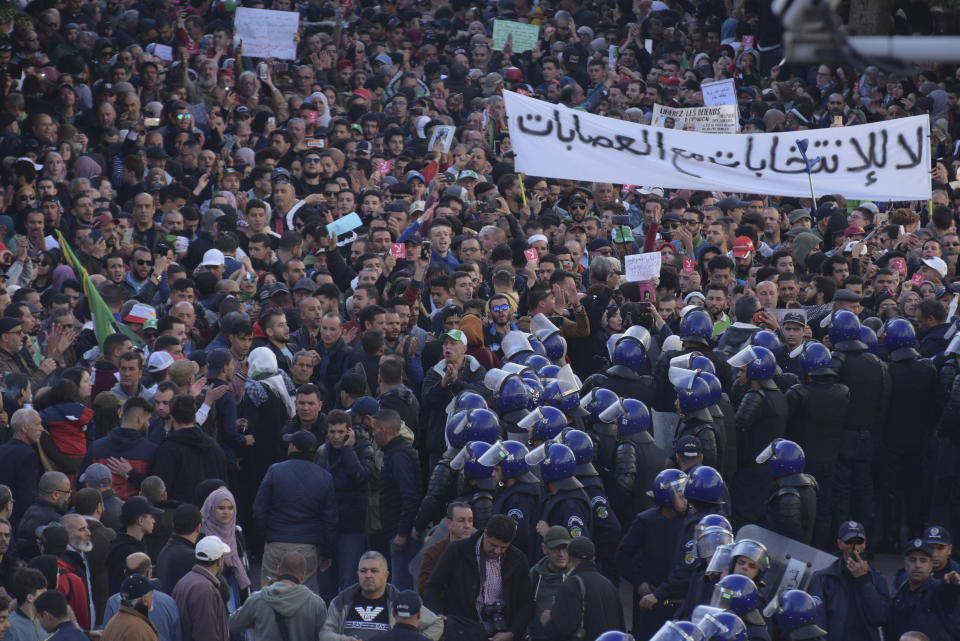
pixel 792 563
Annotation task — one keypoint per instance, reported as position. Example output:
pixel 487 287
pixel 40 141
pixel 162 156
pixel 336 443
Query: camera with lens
pixel 494 613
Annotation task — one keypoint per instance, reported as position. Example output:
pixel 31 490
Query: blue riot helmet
pixel 563 392
pixel 510 456
pixel 754 551
pixel 596 401
pixel 693 391
pixel 766 338
pixel 558 462
pixel 550 371
pixel 782 457
pixel 537 345
pixel 716 395
pixel 469 401
pixel 511 396
pixel 668 486
pixel 473 468
pixel 709 539
pixel 583 450
pixel 548 334
pixel 897 334
pixel 545 422
pixel 631 415
pixel 515 346
pixel 736 593
pixel 844 326
pixel 535 388
pixel 796 615
pixel 720 561
pixel 869 338
pixel 615 635
pixel 816 360
pixel 678 631
pixel 696 327
pixel 706 486
pixel 630 352
pixel 719 624
pixel 472 425
pixel 712 520
pixel 536 361
pixel 694 361
pixel 759 361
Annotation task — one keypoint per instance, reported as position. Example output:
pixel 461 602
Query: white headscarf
pixel 262 364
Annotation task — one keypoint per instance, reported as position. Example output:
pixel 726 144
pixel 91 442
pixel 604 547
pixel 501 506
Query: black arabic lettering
pixel 719 155
pixel 792 160
pixel 914 157
pixel 625 143
pixel 684 154
pixel 537 119
pixel 872 158
pixel 871 178
pixel 758 169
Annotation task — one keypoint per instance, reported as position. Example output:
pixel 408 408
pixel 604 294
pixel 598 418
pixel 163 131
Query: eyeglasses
pixel 184 116
pixel 311 160
pixel 17 332
pixel 140 261
pixel 500 308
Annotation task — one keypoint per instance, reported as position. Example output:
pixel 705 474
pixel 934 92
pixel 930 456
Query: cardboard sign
pixel 899 265
pixel 525 36
pixel 642 267
pixel 689 265
pixel 398 250
pixel 383 168
pixel 344 225
pixel 532 256
pixel 721 92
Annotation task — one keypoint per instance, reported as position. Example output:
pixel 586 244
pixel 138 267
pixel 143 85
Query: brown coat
pixel 129 625
pixel 429 560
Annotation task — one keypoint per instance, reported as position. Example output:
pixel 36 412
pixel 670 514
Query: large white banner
pixel 881 161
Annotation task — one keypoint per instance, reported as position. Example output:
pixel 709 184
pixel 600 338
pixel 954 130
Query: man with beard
pixel 53 498
pixel 500 312
pixel 7 563
pixel 75 559
pixel 311 315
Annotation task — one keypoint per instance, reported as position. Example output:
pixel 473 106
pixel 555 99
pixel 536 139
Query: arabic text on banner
pixel 887 160
pixel 266 33
pixel 721 119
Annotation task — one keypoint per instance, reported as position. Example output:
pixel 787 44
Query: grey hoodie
pixel 544 584
pixel 303 611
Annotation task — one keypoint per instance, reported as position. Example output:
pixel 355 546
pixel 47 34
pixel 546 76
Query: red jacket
pixel 70 585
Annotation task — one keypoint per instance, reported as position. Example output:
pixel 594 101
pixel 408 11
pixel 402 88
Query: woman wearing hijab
pixel 803 246
pixel 220 519
pixel 267 406
pixel 54 167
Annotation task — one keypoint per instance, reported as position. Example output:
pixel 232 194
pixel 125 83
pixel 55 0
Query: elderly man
pixel 163 615
pixel 365 609
pixel 131 622
pixel 19 461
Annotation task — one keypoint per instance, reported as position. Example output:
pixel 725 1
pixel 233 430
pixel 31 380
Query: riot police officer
pixel 869 383
pixel 818 412
pixel 796 618
pixel 766 338
pixel 724 419
pixel 463 427
pixel 564 501
pixel 739 594
pixel 542 424
pixel 792 509
pixel 626 375
pixel 761 417
pixel 478 484
pixel 693 400
pixel 519 495
pixel 643 555
pixel 511 397
pixel 604 432
pixel 638 457
pixel 908 436
pixel 713 531
pixel 548 334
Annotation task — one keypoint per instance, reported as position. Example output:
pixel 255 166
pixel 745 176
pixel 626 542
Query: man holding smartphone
pixel 855 598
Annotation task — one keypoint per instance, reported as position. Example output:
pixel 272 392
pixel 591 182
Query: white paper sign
pixel 721 92
pixel 721 119
pixel 443 134
pixel 266 33
pixel 642 266
pixel 164 52
pixel 525 35
pixel 887 160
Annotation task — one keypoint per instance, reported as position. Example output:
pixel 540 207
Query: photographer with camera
pixel 481 586
pixel 587 602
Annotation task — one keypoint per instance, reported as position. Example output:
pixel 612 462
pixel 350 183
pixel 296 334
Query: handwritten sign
pixel 880 161
pixel 721 92
pixel 444 135
pixel 266 33
pixel 721 119
pixel 525 36
pixel 642 266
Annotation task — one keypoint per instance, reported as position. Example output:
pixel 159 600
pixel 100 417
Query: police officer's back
pixel 406 614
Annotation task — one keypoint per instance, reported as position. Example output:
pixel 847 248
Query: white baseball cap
pixel 210 548
pixel 936 264
pixel 212 258
pixel 159 361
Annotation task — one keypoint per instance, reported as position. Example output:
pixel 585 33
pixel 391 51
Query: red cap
pixel 854 230
pixel 513 74
pixel 668 246
pixel 742 246
pixel 363 92
pixel 344 64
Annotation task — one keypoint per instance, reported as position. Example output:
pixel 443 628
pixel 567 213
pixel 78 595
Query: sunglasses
pixel 311 160
pixel 500 308
pixel 184 116
pixel 673 226
pixel 140 261
pixel 577 207
pixel 330 193
pixel 27 197
pixel 690 223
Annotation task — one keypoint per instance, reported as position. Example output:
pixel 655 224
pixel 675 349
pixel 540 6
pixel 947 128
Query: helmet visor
pixel 720 562
pixel 743 357
pixel 682 378
pixel 537 454
pixel 460 459
pixel 766 454
pixel 712 538
pixel 494 455
pixel 670 631
pixel 530 419
pixel 705 618
pixel 612 413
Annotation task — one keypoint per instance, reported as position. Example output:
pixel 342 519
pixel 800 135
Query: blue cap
pixel 851 530
pixel 937 535
pixel 363 406
pixel 134 587
pixel 407 604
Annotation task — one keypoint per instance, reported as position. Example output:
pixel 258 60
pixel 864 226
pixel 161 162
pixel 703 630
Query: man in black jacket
pixel 53 499
pixel 586 599
pixel 484 567
pixel 177 556
pixel 187 455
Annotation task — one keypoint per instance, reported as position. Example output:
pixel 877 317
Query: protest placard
pixel 444 135
pixel 525 36
pixel 721 92
pixel 721 119
pixel 642 266
pixel 266 33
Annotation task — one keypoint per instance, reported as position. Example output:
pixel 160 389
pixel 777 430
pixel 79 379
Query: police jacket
pixel 870 387
pixel 441 489
pixel 592 602
pixel 912 415
pixel 950 421
pixel 624 382
pixel 455 584
pixel 606 525
pixel 665 394
pixel 818 415
pixel 637 462
pixel 931 609
pixel 761 417
pixel 570 508
pixel 839 595
pixel 644 553
pixel 792 509
pixel 683 563
pixel 519 502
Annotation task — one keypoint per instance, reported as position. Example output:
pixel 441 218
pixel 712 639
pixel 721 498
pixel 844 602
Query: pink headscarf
pixel 226 532
pixel 87 167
